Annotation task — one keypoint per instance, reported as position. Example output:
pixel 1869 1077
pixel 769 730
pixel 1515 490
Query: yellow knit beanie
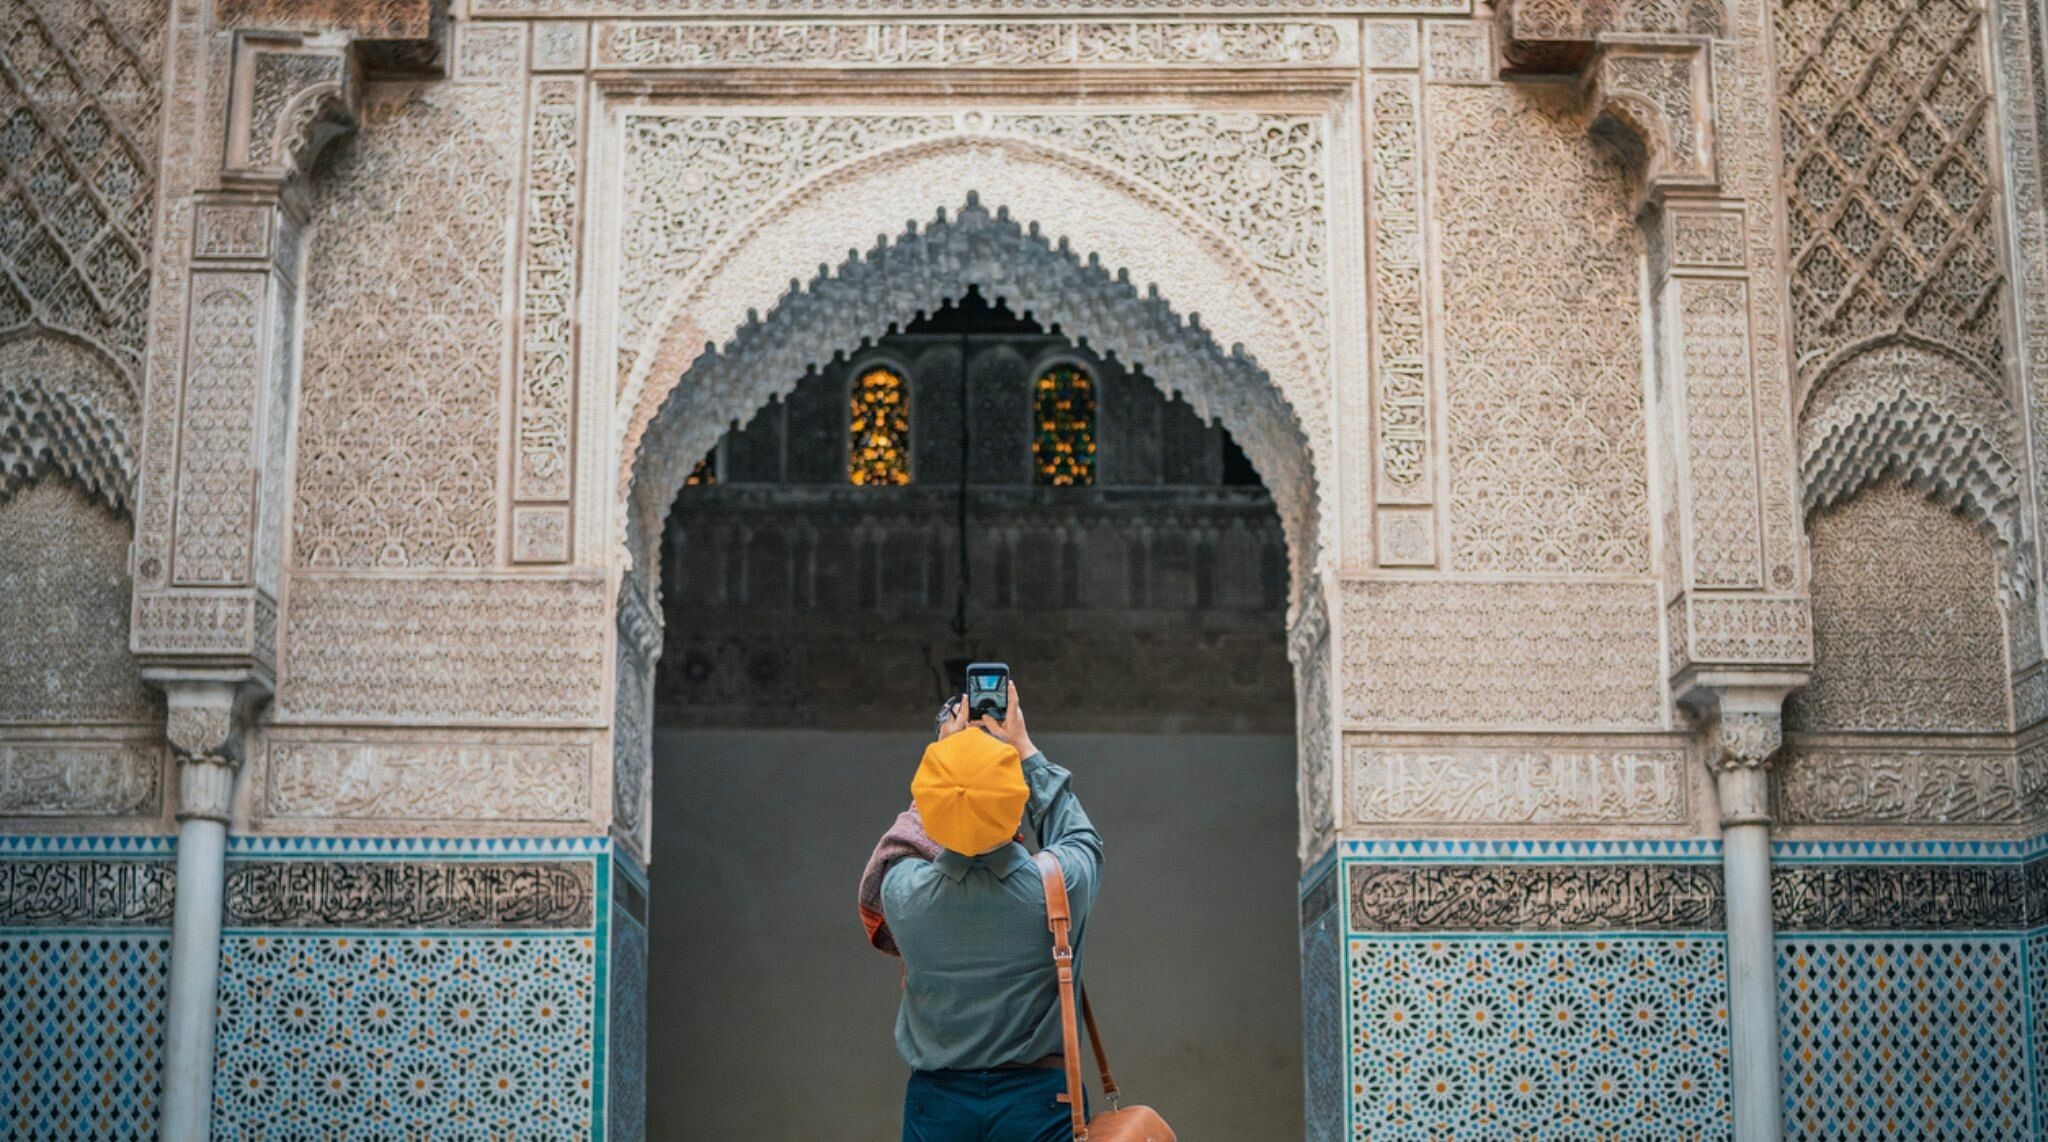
pixel 970 791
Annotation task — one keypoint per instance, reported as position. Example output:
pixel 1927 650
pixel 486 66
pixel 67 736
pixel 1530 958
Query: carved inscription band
pixel 1687 897
pixel 86 893
pixel 306 894
pixel 1535 898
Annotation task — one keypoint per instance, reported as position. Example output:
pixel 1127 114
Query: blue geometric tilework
pixel 2037 1022
pixel 1887 1037
pixel 81 1034
pixel 405 1036
pixel 1544 1037
pixel 626 1076
pixel 1322 1028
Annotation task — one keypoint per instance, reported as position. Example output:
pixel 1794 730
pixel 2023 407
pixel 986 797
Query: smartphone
pixel 988 690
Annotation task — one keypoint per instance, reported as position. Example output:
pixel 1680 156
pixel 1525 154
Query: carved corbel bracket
pixel 1653 102
pixel 289 96
pixel 1646 73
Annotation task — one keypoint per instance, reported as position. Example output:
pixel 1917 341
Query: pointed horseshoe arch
pixel 740 330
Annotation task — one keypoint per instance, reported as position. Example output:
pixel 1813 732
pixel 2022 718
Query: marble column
pixel 206 728
pixel 1746 733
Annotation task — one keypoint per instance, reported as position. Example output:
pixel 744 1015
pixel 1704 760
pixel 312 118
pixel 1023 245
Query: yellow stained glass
pixel 1063 440
pixel 878 447
pixel 705 474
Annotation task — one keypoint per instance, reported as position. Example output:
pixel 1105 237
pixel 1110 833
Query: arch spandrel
pixel 1117 262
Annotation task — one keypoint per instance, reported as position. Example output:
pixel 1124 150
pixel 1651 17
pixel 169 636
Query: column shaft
pixel 1752 976
pixel 195 981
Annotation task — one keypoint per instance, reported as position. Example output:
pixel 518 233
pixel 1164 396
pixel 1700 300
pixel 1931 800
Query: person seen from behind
pixel 954 892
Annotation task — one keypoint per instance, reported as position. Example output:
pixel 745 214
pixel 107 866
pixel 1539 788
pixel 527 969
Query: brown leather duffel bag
pixel 1119 1123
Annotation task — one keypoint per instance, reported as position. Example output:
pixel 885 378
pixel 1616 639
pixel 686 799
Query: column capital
pixel 207 724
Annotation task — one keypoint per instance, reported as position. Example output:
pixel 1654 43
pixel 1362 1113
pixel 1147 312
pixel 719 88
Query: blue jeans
pixel 1008 1104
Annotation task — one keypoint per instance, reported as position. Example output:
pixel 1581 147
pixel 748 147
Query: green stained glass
pixel 878 446
pixel 1063 438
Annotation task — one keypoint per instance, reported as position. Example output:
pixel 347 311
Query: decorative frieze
pixel 1486 785
pixel 1535 898
pixel 503 779
pixel 81 779
pixel 1899 897
pixel 464 895
pixel 86 893
pixel 957 43
pixel 1892 785
pixel 513 9
pixel 496 651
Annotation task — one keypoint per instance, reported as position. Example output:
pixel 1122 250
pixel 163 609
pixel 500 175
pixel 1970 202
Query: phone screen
pixel 988 690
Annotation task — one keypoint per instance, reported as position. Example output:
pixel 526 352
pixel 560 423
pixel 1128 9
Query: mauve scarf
pixel 905 838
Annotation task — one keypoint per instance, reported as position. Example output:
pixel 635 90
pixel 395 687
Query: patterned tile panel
pixel 405 1036
pixel 81 1034
pixel 1322 1028
pixel 1921 1038
pixel 1546 1037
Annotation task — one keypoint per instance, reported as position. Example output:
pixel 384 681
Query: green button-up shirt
pixel 979 987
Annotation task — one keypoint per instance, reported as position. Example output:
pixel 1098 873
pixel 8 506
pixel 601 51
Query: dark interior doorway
pixel 1121 555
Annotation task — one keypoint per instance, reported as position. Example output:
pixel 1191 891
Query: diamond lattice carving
pixel 1885 110
pixel 78 143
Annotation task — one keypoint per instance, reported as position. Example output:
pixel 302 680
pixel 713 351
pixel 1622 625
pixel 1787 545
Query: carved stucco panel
pixel 1461 785
pixel 1883 784
pixel 414 650
pixel 506 779
pixel 690 179
pixel 1543 413
pixel 54 779
pixel 184 84
pixel 1446 654
pixel 1908 632
pixel 672 8
pixel 80 106
pixel 1720 422
pixel 404 348
pixel 1121 223
pixel 64 596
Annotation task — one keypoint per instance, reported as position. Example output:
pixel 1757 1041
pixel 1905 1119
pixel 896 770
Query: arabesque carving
pixel 1908 631
pixel 511 651
pixel 64 598
pixel 949 43
pixel 1486 640
pixel 405 353
pixel 516 779
pixel 1543 394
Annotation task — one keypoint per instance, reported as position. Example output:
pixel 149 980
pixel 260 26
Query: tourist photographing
pixel 953 891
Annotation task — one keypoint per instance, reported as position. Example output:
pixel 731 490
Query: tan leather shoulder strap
pixel 1059 920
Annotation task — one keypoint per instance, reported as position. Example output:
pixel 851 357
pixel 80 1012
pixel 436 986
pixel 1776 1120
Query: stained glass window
pixel 705 474
pixel 878 449
pixel 1063 440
